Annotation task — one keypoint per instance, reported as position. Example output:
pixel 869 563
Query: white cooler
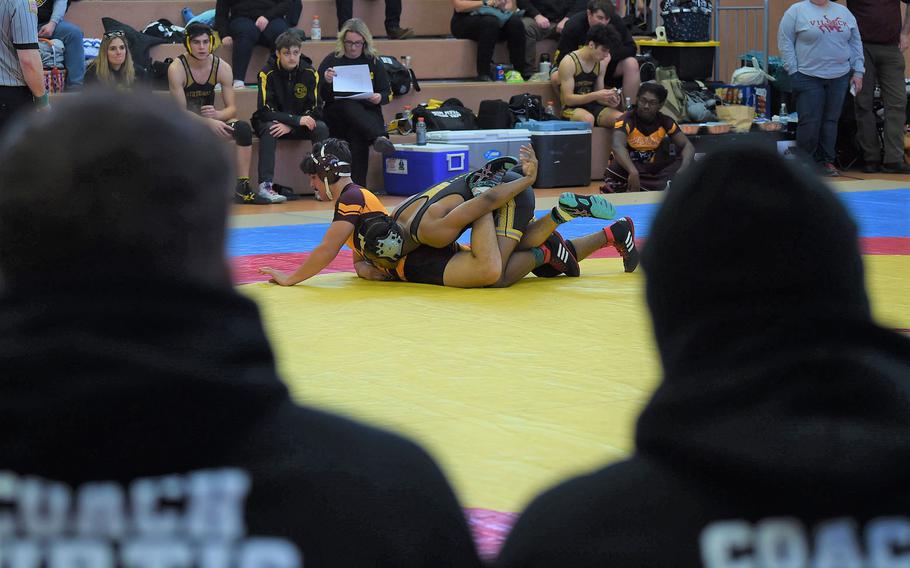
pixel 484 145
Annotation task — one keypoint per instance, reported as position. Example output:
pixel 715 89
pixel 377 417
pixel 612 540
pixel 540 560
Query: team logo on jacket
pixel 300 91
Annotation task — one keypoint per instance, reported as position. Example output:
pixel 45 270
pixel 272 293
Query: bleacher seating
pixel 441 63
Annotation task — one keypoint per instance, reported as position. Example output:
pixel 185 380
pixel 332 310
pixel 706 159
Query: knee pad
pixel 243 133
pixel 513 218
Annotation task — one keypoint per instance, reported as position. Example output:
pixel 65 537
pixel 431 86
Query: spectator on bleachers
pixel 143 421
pixel 288 106
pixel 486 22
pixel 244 24
pixel 821 49
pixel 884 42
pixel 545 19
pixel 779 434
pixel 360 122
pixel 192 79
pixel 344 9
pixel 623 69
pixel 581 80
pixel 52 25
pixel 114 65
pixel 641 146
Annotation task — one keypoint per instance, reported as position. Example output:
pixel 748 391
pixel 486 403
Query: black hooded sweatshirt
pixel 145 423
pixel 780 434
pixel 287 96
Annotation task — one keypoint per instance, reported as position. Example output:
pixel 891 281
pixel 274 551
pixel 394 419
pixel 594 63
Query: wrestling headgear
pixel 380 239
pixel 197 29
pixel 330 160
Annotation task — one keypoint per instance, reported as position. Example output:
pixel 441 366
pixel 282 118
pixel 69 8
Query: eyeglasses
pixel 114 33
pixel 354 43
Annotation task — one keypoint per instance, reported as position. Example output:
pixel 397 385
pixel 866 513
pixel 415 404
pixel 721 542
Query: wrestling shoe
pixel 621 235
pixel 490 174
pixel 572 205
pixel 266 192
pixel 547 271
pixel 245 196
pixel 288 192
pixel 561 258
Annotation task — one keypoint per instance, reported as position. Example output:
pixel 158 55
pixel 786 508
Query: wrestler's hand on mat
pixel 277 276
pixel 528 160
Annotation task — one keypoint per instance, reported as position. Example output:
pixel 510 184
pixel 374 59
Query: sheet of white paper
pixel 352 79
pixel 357 96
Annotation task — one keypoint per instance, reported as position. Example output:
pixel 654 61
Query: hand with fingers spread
pixel 278 129
pixel 528 160
pixel 276 276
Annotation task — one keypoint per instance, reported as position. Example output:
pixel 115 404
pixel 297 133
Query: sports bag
pixel 495 113
pixel 400 77
pixel 450 115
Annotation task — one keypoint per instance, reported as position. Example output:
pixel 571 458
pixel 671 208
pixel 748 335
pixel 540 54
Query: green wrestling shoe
pixel 573 205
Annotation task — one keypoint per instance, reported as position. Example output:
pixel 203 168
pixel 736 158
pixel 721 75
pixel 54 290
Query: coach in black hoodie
pixel 288 106
pixel 142 422
pixel 780 435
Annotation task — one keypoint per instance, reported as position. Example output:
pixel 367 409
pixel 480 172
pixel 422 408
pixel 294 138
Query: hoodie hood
pixel 773 367
pixel 144 374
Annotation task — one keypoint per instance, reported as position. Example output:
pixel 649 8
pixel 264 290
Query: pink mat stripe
pixel 246 267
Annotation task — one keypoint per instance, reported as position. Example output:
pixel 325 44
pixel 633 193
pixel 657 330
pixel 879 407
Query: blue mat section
pixel 878 213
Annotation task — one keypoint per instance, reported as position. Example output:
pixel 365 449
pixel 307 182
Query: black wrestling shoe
pixel 547 271
pixel 562 259
pixel 490 174
pixel 399 33
pixel 285 191
pixel 244 195
pixel 621 235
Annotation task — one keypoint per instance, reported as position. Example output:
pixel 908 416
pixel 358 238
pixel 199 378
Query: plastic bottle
pixel 550 108
pixel 628 103
pixel 784 115
pixel 421 132
pixel 316 29
pixel 544 66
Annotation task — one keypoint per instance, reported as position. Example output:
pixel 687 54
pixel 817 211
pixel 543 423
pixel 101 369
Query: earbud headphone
pixel 214 39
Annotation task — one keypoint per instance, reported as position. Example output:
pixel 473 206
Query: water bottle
pixel 550 108
pixel 421 132
pixel 406 61
pixel 784 115
pixel 316 30
pixel 544 66
pixel 628 103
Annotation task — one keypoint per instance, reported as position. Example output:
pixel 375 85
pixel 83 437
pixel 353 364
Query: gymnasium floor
pixel 513 389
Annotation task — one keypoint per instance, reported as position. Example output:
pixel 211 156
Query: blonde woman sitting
pixel 114 65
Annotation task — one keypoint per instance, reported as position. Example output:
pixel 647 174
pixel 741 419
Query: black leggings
pixel 486 32
pixel 14 100
pixel 344 9
pixel 360 124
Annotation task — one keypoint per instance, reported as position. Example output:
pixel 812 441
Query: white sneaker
pixel 266 192
pixel 238 84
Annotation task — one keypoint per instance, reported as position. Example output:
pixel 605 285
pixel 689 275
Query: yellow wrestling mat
pixel 511 390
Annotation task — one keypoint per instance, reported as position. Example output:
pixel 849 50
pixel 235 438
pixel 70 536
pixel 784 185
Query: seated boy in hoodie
pixel 288 105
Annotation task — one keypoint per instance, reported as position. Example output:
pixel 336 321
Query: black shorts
pixel 427 265
pixel 594 108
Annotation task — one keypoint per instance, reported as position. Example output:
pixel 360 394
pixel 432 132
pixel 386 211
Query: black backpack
pixel 495 113
pixel 451 115
pixel 526 107
pixel 400 77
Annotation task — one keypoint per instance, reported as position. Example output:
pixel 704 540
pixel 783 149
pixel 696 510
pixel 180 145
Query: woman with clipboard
pixel 355 115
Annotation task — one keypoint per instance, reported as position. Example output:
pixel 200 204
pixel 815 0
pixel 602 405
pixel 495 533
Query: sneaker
pixel 266 192
pixel 244 195
pixel 399 33
pixel 577 205
pixel 830 170
pixel 288 192
pixel 621 235
pixel 896 168
pixel 561 257
pixel 384 146
pixel 238 84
